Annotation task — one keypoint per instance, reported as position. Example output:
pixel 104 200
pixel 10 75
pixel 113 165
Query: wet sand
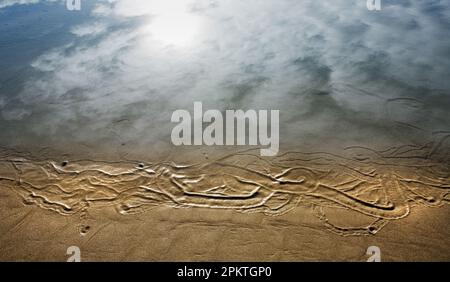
pixel 299 206
pixel 167 234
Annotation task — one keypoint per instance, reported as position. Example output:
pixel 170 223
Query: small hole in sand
pixel 85 229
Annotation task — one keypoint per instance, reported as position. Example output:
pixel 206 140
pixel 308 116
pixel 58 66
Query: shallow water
pixel 86 99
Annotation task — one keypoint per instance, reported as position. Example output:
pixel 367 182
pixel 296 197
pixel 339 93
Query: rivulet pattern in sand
pixel 384 185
